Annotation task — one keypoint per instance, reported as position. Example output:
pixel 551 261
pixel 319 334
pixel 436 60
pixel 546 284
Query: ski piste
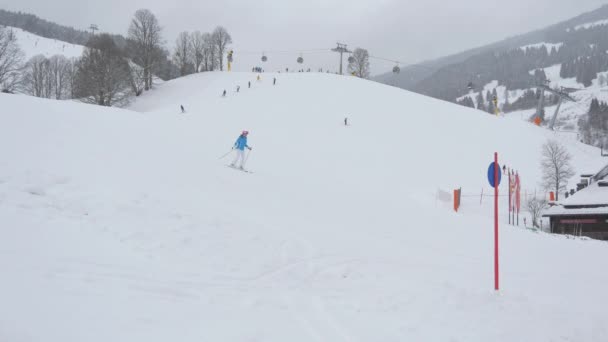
pixel 239 169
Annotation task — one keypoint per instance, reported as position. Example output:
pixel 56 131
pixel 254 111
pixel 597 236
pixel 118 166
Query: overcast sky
pixel 404 30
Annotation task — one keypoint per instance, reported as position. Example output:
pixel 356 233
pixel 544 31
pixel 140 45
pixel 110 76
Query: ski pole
pixel 246 158
pixel 225 155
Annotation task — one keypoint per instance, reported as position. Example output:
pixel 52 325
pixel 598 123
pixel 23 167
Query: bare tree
pixel 59 68
pixel 535 207
pixel 35 76
pixel 48 77
pixel 360 63
pixel 556 167
pixel 11 59
pixel 145 34
pixel 102 76
pixel 221 39
pixel 136 78
pixel 71 69
pixel 182 54
pixel 209 53
pixel 197 51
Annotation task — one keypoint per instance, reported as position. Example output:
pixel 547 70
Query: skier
pixel 259 78
pixel 224 93
pixel 249 83
pixel 346 121
pixel 238 88
pixel 183 110
pixel 274 81
pixel 240 145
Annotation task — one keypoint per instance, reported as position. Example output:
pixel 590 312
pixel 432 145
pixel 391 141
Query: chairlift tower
pixel 341 48
pixel 93 28
pixel 561 94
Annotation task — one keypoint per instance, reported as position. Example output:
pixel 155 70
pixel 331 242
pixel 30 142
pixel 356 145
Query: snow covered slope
pixel 570 112
pixel 33 45
pixel 123 225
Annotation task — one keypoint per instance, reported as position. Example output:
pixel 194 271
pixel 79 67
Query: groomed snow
pixel 124 225
pixel 33 45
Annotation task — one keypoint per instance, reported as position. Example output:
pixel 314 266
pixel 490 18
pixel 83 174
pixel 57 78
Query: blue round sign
pixel 491 174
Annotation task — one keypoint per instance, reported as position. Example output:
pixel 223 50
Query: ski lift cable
pixel 328 50
pixel 281 51
pixel 403 64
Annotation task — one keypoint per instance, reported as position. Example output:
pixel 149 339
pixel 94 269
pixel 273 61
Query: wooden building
pixel 585 213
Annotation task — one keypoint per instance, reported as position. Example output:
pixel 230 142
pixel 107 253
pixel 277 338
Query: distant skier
pixel 224 93
pixel 238 88
pixel 259 78
pixel 183 110
pixel 274 81
pixel 249 84
pixel 240 145
pixel 346 121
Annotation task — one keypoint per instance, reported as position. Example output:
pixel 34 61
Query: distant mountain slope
pixel 572 55
pixel 447 78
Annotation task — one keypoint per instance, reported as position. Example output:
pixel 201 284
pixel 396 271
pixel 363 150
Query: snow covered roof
pixel 589 201
pixel 563 211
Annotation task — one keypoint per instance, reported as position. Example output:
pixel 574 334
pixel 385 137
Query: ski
pixel 239 169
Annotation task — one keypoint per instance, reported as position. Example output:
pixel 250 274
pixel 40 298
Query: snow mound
pixel 125 225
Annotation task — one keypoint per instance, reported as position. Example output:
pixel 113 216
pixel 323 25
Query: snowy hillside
pixel 570 112
pixel 33 45
pixel 125 225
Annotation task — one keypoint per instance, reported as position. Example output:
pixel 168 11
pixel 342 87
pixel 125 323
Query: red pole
pixel 509 175
pixel 496 221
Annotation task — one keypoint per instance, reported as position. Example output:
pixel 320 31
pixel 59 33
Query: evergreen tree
pixel 480 101
pixel 490 105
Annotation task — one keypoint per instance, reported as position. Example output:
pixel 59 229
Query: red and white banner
pixel 517 192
